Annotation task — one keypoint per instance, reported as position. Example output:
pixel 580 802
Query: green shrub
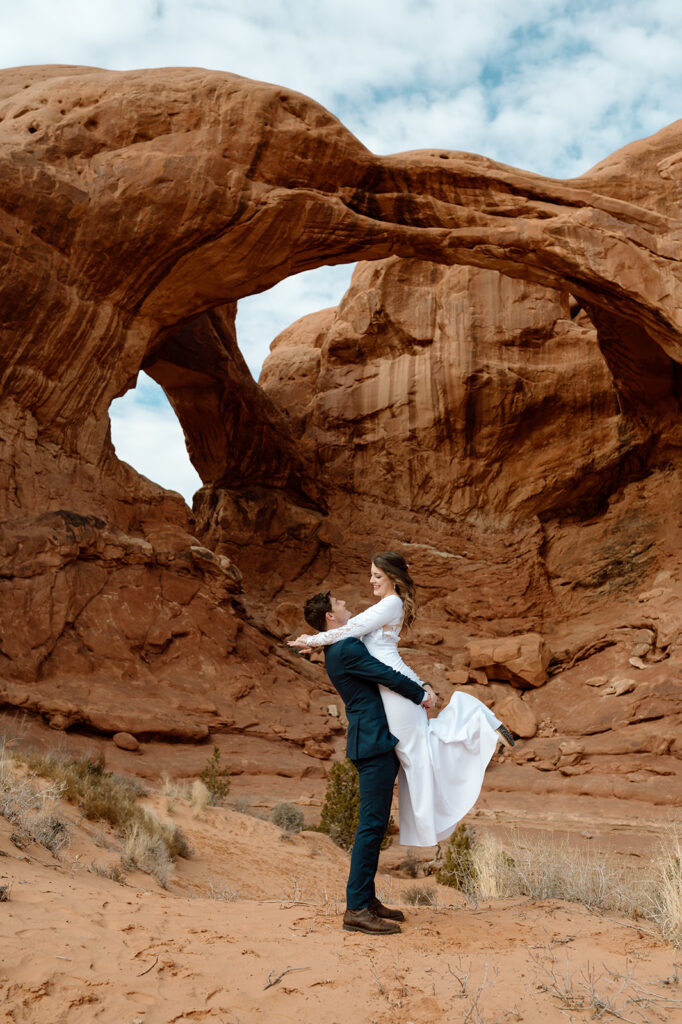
pixel 458 869
pixel 341 809
pixel 288 817
pixel 215 778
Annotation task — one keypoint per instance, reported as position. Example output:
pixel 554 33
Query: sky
pixel 552 86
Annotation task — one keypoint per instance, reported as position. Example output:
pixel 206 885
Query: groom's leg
pixel 377 775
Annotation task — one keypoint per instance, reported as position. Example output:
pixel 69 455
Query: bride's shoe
pixel 506 736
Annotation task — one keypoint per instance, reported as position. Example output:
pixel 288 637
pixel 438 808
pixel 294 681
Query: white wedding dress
pixel 442 760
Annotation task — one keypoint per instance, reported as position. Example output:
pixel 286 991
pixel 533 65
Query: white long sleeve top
pixel 386 614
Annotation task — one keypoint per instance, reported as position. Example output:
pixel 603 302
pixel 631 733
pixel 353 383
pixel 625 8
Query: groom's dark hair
pixel 315 611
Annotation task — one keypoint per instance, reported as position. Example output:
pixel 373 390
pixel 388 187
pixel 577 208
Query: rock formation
pixel 499 393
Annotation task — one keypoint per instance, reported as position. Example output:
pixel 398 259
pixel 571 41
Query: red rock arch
pixel 137 207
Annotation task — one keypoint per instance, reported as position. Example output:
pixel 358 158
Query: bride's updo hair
pixel 395 567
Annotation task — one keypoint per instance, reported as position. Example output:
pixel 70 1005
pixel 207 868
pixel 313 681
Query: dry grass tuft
pixel 113 871
pixel 287 817
pixel 149 843
pixel 548 869
pixel 31 809
pixel 201 797
pixel 420 896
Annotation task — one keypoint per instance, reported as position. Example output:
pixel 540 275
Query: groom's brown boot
pixel 366 920
pixel 385 912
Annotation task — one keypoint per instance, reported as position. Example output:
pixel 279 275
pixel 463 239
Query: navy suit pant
pixel 377 775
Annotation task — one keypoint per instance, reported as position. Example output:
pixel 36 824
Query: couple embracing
pixel 439 763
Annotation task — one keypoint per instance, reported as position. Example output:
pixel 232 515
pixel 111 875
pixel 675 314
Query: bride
pixel 442 761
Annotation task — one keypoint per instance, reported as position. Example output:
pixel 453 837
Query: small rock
pixel 568 760
pixel 651 595
pixel 596 681
pixel 459 676
pixel 431 637
pixel 59 721
pixel 620 686
pixel 637 663
pixel 544 766
pixel 126 741
pixel 639 650
pixel 518 717
pixel 321 751
pixel 571 747
pixel 477 675
pixel 333 710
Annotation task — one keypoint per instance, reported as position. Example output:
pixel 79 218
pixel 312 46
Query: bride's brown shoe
pixel 366 921
pixel 377 907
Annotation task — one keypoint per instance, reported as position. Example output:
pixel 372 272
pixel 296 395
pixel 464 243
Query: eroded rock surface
pixel 498 395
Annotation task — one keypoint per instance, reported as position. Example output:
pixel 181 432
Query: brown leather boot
pixel 385 912
pixel 366 921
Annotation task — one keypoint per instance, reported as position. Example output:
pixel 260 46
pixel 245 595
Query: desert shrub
pixel 458 868
pixel 544 868
pixel 200 797
pixel 341 809
pixel 410 865
pixel 288 818
pixel 419 896
pixel 30 809
pixel 244 805
pixel 215 778
pixel 104 796
pixel 145 849
pixel 113 871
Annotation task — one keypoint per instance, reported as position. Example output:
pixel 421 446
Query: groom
pixel 355 674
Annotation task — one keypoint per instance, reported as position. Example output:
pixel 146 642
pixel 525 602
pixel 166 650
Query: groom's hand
pixel 430 699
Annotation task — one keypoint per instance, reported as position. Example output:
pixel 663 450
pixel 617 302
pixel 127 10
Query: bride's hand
pixel 300 641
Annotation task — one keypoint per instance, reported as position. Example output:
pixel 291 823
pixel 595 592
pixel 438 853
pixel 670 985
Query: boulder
pixel 519 660
pixel 519 718
pixel 125 741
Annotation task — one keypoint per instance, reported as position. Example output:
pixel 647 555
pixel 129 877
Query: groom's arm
pixel 356 659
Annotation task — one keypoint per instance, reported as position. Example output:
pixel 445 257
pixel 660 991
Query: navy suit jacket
pixel 355 675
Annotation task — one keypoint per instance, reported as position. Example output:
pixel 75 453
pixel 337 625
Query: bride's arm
pixel 387 612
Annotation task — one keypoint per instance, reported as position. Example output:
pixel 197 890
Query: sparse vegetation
pixel 420 896
pixel 244 805
pixel 287 817
pixel 200 797
pixel 458 868
pixel 546 869
pixel 216 778
pixel 410 865
pixel 113 871
pixel 341 809
pixel 31 810
pixel 149 843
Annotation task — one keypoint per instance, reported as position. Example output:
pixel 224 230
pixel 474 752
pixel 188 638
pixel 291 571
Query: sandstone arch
pixel 137 207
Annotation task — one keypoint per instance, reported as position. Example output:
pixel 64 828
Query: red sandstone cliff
pixel 499 395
